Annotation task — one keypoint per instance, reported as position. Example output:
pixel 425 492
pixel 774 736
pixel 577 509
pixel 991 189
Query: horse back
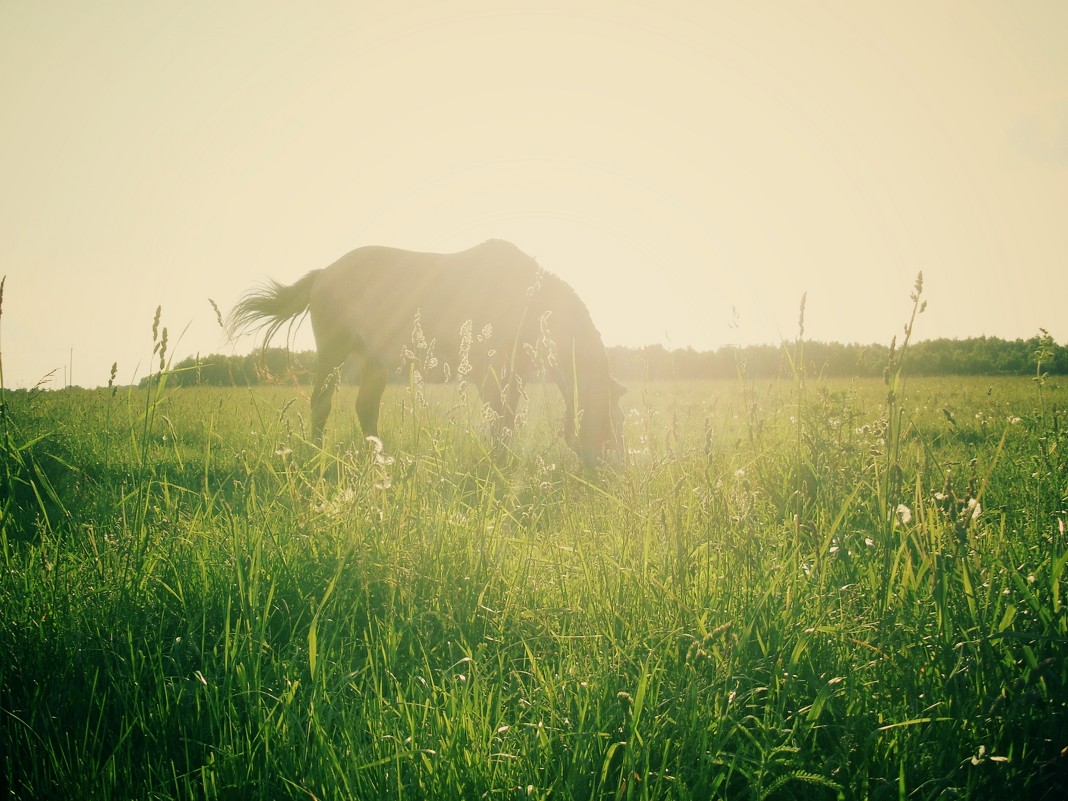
pixel 378 301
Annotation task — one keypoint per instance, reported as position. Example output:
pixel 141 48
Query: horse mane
pixel 561 289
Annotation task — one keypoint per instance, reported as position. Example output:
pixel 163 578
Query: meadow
pixel 793 589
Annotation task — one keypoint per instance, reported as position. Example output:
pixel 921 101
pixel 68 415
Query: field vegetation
pixel 802 588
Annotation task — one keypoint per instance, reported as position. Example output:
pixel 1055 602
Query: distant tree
pixel 974 356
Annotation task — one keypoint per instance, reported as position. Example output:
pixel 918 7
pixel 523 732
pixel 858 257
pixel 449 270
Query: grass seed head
pixel 218 314
pixel 163 350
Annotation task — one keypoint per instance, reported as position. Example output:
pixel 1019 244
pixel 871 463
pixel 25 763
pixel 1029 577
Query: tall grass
pixel 797 589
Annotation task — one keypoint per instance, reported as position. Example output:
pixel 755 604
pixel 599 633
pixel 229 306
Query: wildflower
pixel 981 757
pixel 381 458
pixel 904 514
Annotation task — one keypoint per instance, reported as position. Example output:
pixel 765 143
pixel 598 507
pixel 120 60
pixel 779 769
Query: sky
pixel 692 169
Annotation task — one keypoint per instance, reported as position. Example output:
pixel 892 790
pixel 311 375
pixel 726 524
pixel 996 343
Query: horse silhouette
pixel 376 304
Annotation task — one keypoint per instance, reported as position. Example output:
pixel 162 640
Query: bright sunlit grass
pixel 794 590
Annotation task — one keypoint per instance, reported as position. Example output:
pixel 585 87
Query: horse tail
pixel 272 305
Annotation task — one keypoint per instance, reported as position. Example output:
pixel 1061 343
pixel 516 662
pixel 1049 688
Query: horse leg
pixel 570 417
pixel 369 398
pixel 326 381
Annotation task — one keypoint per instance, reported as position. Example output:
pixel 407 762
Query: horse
pixel 492 307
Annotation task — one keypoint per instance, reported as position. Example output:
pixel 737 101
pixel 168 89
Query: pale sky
pixel 691 168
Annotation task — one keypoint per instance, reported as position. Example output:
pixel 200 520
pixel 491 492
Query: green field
pixel 798 589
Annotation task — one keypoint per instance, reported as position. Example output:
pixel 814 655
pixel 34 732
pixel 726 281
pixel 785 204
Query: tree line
pixel 988 356
pixel 937 357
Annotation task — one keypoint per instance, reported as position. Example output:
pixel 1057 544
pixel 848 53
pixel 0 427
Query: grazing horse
pixel 376 303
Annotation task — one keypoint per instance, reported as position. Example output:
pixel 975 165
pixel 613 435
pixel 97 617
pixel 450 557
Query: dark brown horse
pixel 375 304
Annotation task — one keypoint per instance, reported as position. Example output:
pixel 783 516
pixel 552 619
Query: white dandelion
pixel 904 514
